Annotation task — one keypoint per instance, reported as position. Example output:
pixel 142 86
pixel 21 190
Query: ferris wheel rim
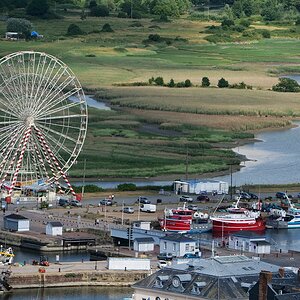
pixel 44 120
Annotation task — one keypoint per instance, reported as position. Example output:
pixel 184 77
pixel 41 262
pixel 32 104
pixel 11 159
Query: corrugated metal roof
pixel 144 240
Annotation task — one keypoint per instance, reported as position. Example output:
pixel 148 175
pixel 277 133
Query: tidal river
pixel 273 160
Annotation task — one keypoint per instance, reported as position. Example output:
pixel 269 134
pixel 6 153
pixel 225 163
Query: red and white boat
pixel 181 219
pixel 237 219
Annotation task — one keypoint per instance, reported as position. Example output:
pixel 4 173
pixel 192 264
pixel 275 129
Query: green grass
pixel 207 122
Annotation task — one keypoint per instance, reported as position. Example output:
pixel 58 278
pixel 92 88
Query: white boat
pixel 280 219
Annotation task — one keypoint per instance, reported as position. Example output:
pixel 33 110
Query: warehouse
pixel 201 186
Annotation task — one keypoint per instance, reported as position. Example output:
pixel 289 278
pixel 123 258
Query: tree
pixel 286 85
pixel 74 29
pixel 92 4
pixel 171 83
pixel 107 28
pixel 272 10
pixel 166 8
pixel 159 81
pixel 205 82
pixel 223 83
pixel 187 83
pixel 22 26
pixel 99 11
pixel 37 7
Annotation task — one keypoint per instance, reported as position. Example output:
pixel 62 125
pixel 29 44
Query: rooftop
pixel 15 217
pixel 144 240
pixel 177 238
pixel 55 224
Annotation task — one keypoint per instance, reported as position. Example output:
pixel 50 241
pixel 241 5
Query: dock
pixel 71 274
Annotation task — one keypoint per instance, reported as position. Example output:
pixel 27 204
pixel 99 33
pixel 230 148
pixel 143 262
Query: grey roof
pixel 228 276
pixel 289 296
pixel 56 224
pixel 177 238
pixel 248 234
pixel 144 240
pixel 262 243
pixel 15 217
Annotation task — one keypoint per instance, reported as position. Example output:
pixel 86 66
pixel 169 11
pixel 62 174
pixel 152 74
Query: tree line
pixel 269 9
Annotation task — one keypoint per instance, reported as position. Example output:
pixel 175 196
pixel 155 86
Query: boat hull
pixel 175 225
pixel 227 226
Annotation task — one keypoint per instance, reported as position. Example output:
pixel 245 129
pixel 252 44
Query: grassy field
pixel 153 131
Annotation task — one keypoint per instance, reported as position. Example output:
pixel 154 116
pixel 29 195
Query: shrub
pixel 242 85
pixel 154 37
pixel 136 24
pixel 159 81
pixel 99 11
pixel 187 83
pixel 106 28
pixel 222 83
pixel 89 188
pixel 136 15
pixel 151 80
pixel 286 85
pixel 227 23
pixel 171 84
pixel 266 34
pixel 126 187
pixel 180 84
pixel 205 82
pixel 21 26
pixel 245 23
pixel 122 15
pixel 74 29
pixel 297 21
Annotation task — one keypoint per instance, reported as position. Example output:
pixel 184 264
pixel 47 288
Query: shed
pixel 177 244
pixel 54 228
pixel 15 222
pixel 250 242
pixel 143 244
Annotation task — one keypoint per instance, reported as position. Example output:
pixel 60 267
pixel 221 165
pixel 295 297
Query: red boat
pixel 238 219
pixel 237 222
pixel 181 219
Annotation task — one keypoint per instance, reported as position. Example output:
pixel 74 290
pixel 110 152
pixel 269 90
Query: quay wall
pixel 63 279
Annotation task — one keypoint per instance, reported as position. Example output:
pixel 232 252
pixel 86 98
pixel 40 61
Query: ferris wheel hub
pixel 29 121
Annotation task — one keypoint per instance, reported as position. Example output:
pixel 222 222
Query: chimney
pixel 281 272
pixel 264 278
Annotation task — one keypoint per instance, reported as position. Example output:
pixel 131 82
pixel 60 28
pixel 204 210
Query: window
pixel 174 246
pixel 165 245
pixel 187 247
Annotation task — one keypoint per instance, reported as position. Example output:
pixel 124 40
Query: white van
pixel 150 208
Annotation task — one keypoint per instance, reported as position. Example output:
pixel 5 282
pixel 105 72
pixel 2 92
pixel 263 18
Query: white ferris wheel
pixel 43 119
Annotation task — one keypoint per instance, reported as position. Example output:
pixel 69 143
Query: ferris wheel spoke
pixel 52 103
pixel 59 109
pixel 9 105
pixel 60 117
pixel 58 133
pixel 53 93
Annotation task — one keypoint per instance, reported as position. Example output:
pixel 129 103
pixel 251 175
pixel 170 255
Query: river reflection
pixel 70 293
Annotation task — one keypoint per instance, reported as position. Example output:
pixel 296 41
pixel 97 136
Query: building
pixel 143 244
pixel 284 285
pixel 197 186
pixel 177 244
pixel 54 228
pixel 250 242
pixel 146 225
pixel 220 277
pixel 15 222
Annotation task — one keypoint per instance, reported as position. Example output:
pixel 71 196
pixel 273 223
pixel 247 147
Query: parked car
pixel 190 255
pixel 165 256
pixel 202 198
pixel 75 203
pixel 245 196
pixel 185 198
pixel 162 264
pixel 128 210
pixel 150 208
pixel 106 202
pixel 280 195
pixel 63 202
pixel 193 207
pixel 143 200
pixel 253 196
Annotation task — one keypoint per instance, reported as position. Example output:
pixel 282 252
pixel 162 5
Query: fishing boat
pixel 183 219
pixel 282 219
pixel 237 219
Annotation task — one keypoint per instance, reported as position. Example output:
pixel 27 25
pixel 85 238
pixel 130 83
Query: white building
pixel 146 225
pixel 54 228
pixel 201 186
pixel 250 242
pixel 16 222
pixel 177 244
pixel 143 244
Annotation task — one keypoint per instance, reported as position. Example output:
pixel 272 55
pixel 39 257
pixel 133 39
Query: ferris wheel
pixel 43 119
